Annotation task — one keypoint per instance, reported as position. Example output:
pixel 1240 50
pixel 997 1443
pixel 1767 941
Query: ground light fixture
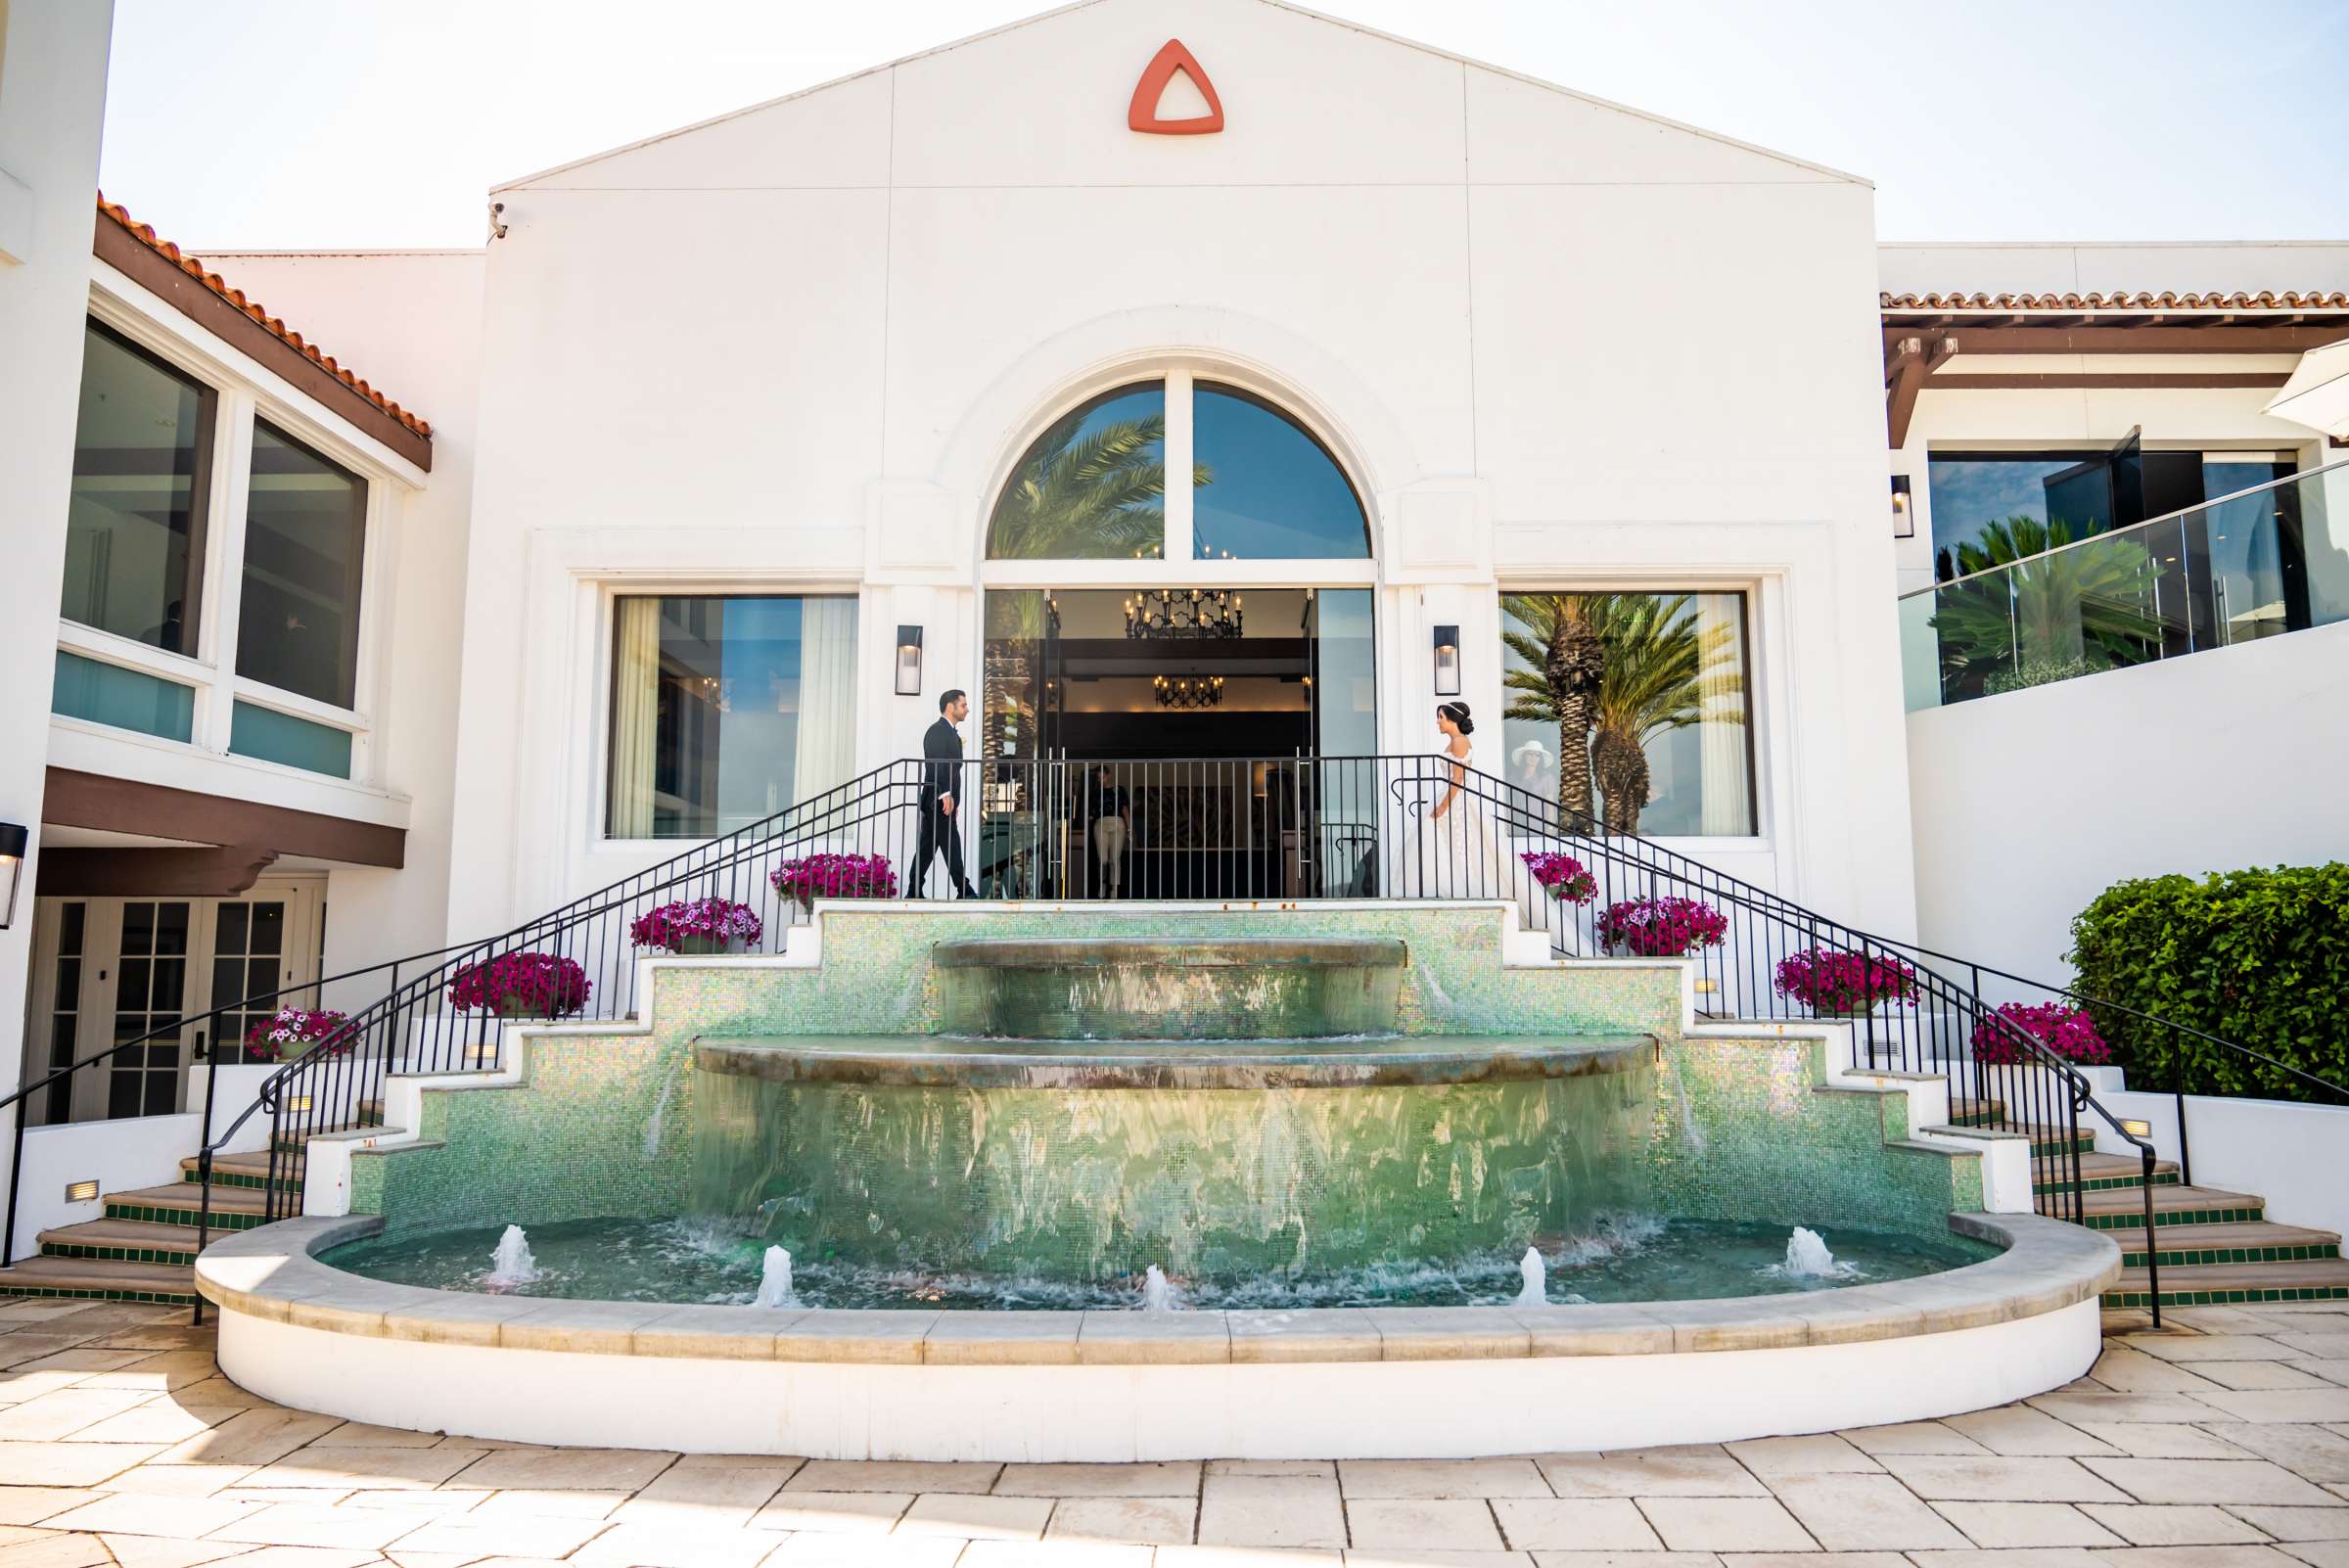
pixel 2137 1127
pixel 82 1191
pixel 13 843
pixel 1448 660
pixel 909 661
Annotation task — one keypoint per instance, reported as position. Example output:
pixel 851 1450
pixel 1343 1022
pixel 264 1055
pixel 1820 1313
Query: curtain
pixel 826 756
pixel 635 714
pixel 1722 781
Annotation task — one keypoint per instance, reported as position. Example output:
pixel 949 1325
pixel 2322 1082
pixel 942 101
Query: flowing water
pixel 699 1261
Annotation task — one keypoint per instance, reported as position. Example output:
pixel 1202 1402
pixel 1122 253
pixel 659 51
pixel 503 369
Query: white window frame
pixel 245 392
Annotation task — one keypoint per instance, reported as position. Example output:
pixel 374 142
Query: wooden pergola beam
pixel 2234 334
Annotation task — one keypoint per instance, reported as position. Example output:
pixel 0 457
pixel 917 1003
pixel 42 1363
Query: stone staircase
pixel 144 1247
pixel 2213 1247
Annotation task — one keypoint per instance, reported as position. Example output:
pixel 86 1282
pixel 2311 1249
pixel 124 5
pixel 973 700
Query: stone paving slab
pixel 2160 1467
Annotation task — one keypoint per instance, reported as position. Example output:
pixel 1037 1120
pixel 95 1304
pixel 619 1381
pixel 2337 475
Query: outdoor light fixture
pixel 299 1104
pixel 12 840
pixel 909 661
pixel 1904 520
pixel 82 1191
pixel 2136 1129
pixel 1448 660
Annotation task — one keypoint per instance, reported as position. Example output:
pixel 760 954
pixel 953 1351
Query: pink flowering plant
pixel 1827 980
pixel 2066 1031
pixel 292 1031
pixel 1661 927
pixel 520 985
pixel 834 876
pixel 1562 876
pixel 698 925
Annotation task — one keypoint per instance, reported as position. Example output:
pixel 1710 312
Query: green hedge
pixel 2258 957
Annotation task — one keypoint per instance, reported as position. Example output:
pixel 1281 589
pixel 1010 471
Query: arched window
pixel 1093 486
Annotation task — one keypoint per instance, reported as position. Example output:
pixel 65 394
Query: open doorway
pixel 1159 742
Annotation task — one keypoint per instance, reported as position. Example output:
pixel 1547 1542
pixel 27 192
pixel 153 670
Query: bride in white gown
pixel 1457 850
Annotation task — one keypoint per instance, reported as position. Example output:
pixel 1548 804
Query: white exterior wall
pixel 52 101
pixel 800 348
pixel 412 321
pixel 2029 804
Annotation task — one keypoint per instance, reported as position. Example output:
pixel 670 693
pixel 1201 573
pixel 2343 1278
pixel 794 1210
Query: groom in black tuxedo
pixel 942 776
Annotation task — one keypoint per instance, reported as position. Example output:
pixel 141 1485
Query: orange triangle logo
pixel 1142 114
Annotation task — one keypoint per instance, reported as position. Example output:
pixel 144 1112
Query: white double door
pixel 108 970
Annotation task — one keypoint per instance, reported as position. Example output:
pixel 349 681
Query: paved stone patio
pixel 2221 1443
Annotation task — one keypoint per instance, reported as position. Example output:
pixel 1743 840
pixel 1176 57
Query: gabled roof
pixel 112 218
pixel 1279 4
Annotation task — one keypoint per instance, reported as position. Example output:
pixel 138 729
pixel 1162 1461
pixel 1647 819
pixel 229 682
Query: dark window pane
pixel 228 929
pixel 1092 488
pixel 169 985
pixel 138 929
pixel 171 928
pixel 228 981
pixel 134 528
pixel 727 710
pixel 261 979
pixel 1264 488
pixel 1992 508
pixel 130 986
pixel 305 524
pixel 268 928
pixel 71 921
pixel 123 1094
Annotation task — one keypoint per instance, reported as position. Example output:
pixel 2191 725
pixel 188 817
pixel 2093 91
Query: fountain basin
pixel 1123 1385
pixel 1123 987
pixel 1080 1161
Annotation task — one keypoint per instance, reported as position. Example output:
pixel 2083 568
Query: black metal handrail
pixel 1286 827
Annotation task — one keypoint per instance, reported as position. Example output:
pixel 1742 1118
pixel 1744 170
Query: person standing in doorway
pixel 1111 824
pixel 941 780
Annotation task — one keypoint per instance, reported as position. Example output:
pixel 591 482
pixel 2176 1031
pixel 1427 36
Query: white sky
pixel 291 123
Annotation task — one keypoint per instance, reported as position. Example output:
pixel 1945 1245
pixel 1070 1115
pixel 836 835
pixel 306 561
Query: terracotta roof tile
pixel 2265 300
pixel 252 307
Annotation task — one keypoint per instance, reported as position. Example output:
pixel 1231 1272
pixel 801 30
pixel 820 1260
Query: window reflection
pixel 1092 488
pixel 305 524
pixel 1266 487
pixel 134 528
pixel 1631 708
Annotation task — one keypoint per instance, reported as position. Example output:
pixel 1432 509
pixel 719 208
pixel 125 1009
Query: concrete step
pixel 102 1280
pixel 246 1170
pixel 2320 1279
pixel 2098 1171
pixel 2124 1208
pixel 2251 1241
pixel 121 1241
pixel 181 1203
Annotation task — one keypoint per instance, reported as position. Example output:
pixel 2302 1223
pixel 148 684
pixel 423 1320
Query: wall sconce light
pixel 82 1191
pixel 2136 1129
pixel 13 843
pixel 297 1105
pixel 909 661
pixel 1903 519
pixel 1448 660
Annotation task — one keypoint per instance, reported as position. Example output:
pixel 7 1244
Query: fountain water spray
pixel 511 1265
pixel 1536 1292
pixel 774 1281
pixel 1157 1295
pixel 1807 1256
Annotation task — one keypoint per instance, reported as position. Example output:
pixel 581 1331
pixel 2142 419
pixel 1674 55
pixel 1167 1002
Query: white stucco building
pixel 642 503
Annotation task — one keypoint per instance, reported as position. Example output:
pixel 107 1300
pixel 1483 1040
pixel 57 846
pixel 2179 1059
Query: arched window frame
pixel 1175 565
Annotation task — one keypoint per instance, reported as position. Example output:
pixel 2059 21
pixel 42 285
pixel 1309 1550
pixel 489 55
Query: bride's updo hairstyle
pixel 1458 712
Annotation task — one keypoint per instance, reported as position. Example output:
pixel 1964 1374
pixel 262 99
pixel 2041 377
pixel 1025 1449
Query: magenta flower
pixel 2066 1031
pixel 1662 928
pixel 1827 980
pixel 834 876
pixel 1562 876
pixel 705 924
pixel 291 1032
pixel 520 985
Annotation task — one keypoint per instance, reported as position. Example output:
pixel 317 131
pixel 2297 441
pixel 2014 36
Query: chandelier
pixel 1188 691
pixel 1184 613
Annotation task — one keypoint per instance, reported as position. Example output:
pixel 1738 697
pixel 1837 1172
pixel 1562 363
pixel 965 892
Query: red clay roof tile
pixel 236 297
pixel 2265 300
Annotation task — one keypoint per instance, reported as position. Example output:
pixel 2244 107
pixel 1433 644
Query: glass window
pixel 727 710
pixel 1092 488
pixel 134 527
pixel 1994 508
pixel 275 737
pixel 1263 488
pixel 127 699
pixel 304 525
pixel 1648 692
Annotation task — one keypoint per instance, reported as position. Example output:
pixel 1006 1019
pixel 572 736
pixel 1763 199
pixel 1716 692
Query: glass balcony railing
pixel 2256 564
